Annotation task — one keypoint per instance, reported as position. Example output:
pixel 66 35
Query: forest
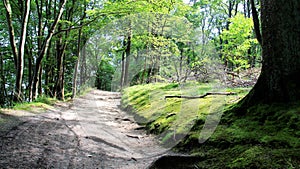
pixel 55 48
pixel 214 79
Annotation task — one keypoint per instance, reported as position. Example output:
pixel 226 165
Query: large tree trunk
pixel 279 79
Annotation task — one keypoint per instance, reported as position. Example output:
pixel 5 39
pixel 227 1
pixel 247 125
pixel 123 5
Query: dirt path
pixel 92 132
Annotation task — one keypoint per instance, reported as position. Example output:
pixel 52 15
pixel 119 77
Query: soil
pixel 89 132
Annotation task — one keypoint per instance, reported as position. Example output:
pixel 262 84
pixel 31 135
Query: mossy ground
pixel 265 136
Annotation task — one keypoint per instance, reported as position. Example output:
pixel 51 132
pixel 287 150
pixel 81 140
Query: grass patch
pixel 39 105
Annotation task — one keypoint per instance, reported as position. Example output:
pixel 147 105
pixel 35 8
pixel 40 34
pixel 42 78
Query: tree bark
pixel 279 79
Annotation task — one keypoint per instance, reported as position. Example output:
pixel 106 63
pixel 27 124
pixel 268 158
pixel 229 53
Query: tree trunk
pixel 256 22
pixel 29 55
pixel 123 66
pixel 127 51
pixel 60 50
pixel 2 82
pixel 279 79
pixel 11 31
pixel 74 83
pixel 20 62
pixel 18 53
pixel 83 68
pixel 40 90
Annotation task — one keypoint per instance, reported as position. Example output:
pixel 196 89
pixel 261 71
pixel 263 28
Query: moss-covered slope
pixel 264 136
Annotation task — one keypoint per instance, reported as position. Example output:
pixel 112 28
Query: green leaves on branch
pixel 118 9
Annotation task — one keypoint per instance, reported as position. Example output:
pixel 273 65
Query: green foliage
pixel 45 100
pixel 238 42
pixel 104 75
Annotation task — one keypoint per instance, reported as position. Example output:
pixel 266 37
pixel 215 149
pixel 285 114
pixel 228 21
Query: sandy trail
pixel 91 132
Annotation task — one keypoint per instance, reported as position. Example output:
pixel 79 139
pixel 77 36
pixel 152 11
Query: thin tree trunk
pixel 127 64
pixel 74 83
pixel 60 60
pixel 74 86
pixel 20 66
pixel 83 68
pixel 256 22
pixel 29 55
pixel 11 31
pixel 2 82
pixel 40 90
pixel 122 68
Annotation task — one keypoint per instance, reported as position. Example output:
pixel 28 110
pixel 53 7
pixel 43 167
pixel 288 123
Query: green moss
pixel 148 102
pixel 263 136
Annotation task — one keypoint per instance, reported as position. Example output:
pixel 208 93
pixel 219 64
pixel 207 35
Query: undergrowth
pixel 39 105
pixel 265 136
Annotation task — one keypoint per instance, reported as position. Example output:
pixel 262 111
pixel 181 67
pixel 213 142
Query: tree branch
pixel 202 96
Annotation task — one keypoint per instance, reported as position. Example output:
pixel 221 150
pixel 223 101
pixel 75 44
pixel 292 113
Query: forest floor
pixel 89 132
